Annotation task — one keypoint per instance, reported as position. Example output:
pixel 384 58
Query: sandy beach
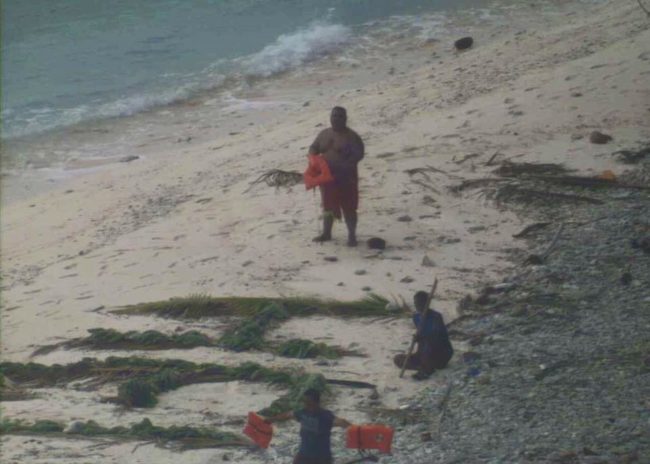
pixel 96 233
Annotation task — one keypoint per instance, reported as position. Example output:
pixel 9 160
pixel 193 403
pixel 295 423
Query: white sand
pixel 180 220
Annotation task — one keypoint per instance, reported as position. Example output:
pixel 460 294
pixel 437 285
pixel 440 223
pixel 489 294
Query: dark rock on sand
pixel 129 158
pixel 405 218
pixel 376 243
pixel 599 138
pixel 464 43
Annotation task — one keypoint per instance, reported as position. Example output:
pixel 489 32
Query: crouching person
pixel 434 349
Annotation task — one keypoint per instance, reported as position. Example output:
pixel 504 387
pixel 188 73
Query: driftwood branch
pixel 528 229
pixel 351 383
pixel 647 12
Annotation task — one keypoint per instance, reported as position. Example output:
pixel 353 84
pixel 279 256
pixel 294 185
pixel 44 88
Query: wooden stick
pixel 426 308
pixel 554 242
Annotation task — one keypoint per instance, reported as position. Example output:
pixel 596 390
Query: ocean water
pixel 69 61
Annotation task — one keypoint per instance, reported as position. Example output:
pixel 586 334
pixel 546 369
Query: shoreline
pixel 180 221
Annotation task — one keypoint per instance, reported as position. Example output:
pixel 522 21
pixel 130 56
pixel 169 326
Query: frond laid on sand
pixel 186 436
pixel 199 306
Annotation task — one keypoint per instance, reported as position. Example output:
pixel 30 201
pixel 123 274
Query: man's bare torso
pixel 341 149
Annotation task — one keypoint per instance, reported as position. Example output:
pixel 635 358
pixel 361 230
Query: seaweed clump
pixel 249 334
pixel 300 348
pixel 190 437
pixel 199 306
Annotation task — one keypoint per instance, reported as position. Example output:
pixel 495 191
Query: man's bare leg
pixel 328 223
pixel 351 221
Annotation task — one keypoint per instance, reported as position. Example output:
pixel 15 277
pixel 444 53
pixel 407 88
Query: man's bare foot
pixel 352 241
pixel 322 238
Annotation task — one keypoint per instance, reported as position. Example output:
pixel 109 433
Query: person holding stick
pixel 434 349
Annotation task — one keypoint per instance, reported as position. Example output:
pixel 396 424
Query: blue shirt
pixel 433 328
pixel 315 432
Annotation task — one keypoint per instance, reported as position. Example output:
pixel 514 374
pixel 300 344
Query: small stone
pixel 129 158
pixel 366 289
pixel 360 272
pixel 599 138
pixel 340 284
pixel 306 104
pixel 464 43
pixel 428 262
pixel 225 457
pixel 331 259
pixel 407 280
pixel 376 243
pixel 626 278
pixel 405 218
pixel 426 437
pixel 247 263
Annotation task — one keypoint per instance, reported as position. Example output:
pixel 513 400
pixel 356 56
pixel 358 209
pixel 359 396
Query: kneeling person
pixel 434 348
pixel 316 426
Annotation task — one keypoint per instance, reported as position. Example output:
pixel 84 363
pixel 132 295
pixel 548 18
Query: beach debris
pixel 278 178
pixel 376 243
pixel 407 280
pixel 463 43
pixel 428 262
pixel 301 349
pixel 541 258
pixel 331 259
pixel 465 158
pixel 520 194
pixel 530 229
pixel 360 272
pixel 599 138
pixel 633 156
pixel 405 218
pixel 200 306
pixel 642 244
pixel 249 334
pixel 188 437
pixel 511 169
pixel 111 339
pixel 129 158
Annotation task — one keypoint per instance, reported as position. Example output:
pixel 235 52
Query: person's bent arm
pixel 285 416
pixel 338 422
pixel 315 148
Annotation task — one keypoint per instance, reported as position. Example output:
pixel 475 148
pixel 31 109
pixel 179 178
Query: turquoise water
pixel 67 61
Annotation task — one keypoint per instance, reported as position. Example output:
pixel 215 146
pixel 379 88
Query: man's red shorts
pixel 340 197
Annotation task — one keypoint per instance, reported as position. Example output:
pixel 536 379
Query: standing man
pixel 342 148
pixel 315 429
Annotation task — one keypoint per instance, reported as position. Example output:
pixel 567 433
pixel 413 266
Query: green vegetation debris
pixel 299 348
pixel 198 306
pixel 142 379
pixel 192 437
pixel 249 334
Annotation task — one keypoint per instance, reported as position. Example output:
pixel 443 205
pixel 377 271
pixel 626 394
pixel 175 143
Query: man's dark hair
pixel 340 109
pixel 313 395
pixel 420 299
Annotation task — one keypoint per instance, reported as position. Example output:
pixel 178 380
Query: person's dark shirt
pixel 315 433
pixel 433 329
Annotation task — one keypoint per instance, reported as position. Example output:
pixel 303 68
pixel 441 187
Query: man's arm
pixel 285 416
pixel 338 422
pixel 361 150
pixel 316 147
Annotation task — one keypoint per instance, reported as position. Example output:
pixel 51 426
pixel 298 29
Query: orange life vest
pixel 370 436
pixel 258 430
pixel 317 173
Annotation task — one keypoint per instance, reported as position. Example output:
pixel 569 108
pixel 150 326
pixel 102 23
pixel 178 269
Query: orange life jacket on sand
pixel 317 173
pixel 370 436
pixel 258 430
